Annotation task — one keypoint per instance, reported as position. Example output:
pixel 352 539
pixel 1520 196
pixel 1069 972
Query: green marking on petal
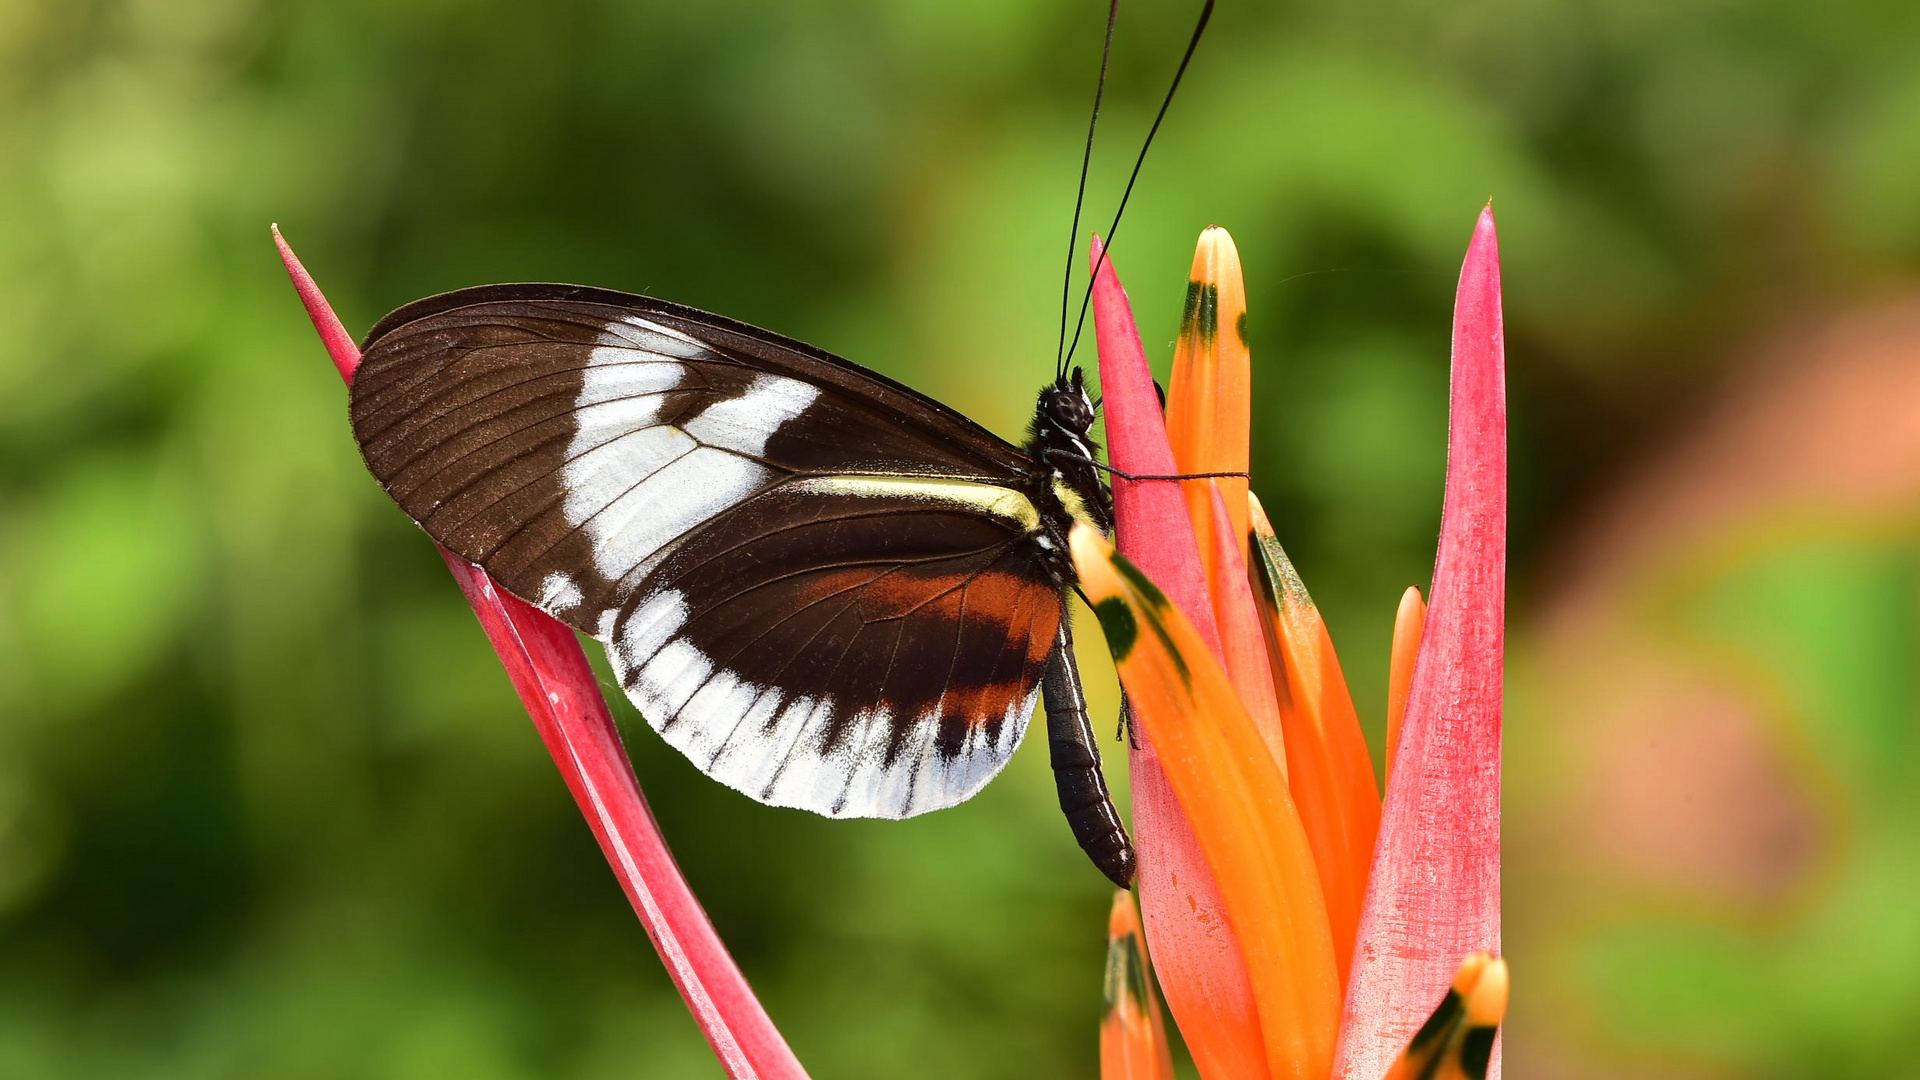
pixel 1440 1025
pixel 1150 595
pixel 1126 978
pixel 1118 624
pixel 1240 330
pixel 1202 314
pixel 1136 971
pixel 1282 581
pixel 1154 604
pixel 1476 1051
pixel 1179 661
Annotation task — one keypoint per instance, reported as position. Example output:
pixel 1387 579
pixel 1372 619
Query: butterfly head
pixel 1065 406
pixel 1061 421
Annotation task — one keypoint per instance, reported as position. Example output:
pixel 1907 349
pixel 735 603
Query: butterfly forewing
pixel 818 584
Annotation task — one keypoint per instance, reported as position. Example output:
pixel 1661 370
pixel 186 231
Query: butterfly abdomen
pixel 1074 753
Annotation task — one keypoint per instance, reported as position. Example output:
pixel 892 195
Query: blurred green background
pixel 269 809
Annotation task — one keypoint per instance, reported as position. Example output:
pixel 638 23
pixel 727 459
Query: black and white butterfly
pixel 829 591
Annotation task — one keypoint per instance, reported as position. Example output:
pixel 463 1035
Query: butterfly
pixel 827 590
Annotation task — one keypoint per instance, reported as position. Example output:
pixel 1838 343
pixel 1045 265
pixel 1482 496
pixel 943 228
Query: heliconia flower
pixel 544 661
pixel 1302 926
pixel 1133 1034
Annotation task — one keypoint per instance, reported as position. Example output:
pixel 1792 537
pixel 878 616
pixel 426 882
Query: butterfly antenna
pixel 1080 197
pixel 1199 28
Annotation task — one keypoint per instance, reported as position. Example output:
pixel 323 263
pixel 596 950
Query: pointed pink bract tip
pixel 1151 526
pixel 1483 231
pixel 1434 892
pixel 340 344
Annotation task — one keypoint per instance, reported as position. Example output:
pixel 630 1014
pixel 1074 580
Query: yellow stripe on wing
pixel 990 499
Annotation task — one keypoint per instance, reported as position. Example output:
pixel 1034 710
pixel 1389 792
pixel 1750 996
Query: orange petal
pixel 1329 767
pixel 1242 639
pixel 1209 403
pixel 1456 1042
pixel 1233 793
pixel 1133 1035
pixel 1408 623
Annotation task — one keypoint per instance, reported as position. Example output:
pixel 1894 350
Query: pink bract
pixel 548 670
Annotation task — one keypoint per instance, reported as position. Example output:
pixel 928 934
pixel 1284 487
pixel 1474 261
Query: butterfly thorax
pixel 1070 487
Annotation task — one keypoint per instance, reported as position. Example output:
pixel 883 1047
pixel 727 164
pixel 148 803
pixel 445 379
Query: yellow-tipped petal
pixel 1328 766
pixel 1456 1042
pixel 1209 402
pixel 1233 794
pixel 1408 624
pixel 1487 1003
pixel 1133 1034
pixel 1467 975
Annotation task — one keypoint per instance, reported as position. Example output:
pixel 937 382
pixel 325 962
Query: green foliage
pixel 267 806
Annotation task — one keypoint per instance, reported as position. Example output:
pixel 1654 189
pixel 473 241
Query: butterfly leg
pixel 1076 766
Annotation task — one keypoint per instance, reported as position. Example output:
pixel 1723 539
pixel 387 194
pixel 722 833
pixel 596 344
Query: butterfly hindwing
pixel 860 654
pixel 815 582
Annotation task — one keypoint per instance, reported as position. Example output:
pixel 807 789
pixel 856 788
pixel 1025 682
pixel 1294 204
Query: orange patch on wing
pixel 1003 626
pixel 884 592
pixel 1010 601
pixel 1012 621
pixel 899 592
